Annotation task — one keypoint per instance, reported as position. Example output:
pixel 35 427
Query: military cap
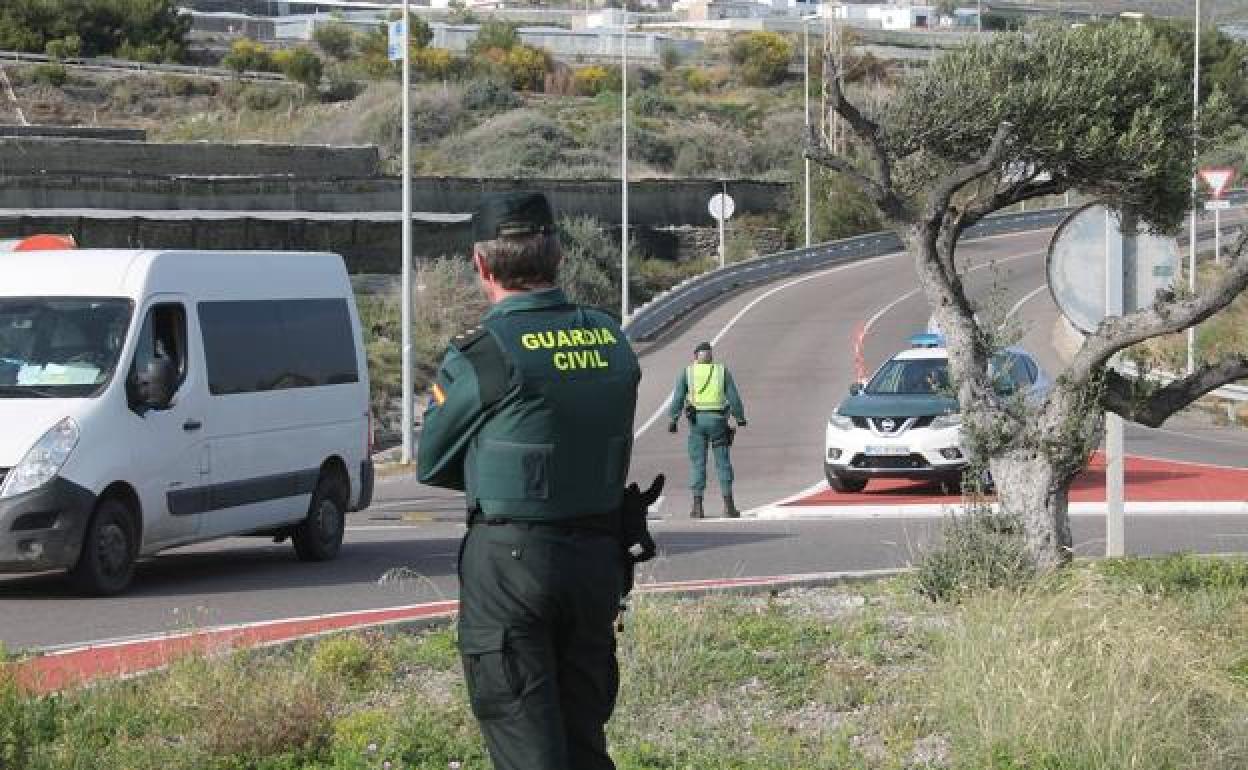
pixel 512 213
pixel 702 346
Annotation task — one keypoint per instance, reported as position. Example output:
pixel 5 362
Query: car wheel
pixel 319 536
pixel 109 548
pixel 845 485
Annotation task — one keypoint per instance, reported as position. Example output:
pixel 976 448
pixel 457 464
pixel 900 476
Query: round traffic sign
pixel 721 206
pixel 1076 264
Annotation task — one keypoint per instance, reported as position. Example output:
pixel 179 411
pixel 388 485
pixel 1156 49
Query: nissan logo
pixel 887 425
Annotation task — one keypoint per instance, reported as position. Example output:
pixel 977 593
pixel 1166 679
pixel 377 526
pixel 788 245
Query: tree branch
pixel 1122 392
pixel 990 161
pixel 1010 196
pixel 1165 316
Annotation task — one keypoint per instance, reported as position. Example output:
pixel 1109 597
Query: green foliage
pixel 527 67
pixel 248 56
pixel 591 80
pixel 489 94
pixel 1178 573
pixel 335 39
pixel 589 272
pixel 101 27
pixel 53 74
pixel 980 551
pixel 352 660
pixel 494 33
pixel 762 58
pixel 300 65
pixel 1084 106
pixel 64 48
pixel 1221 59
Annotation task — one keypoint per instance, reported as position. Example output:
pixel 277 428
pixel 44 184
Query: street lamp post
pixel 1191 256
pixel 806 94
pixel 624 174
pixel 406 303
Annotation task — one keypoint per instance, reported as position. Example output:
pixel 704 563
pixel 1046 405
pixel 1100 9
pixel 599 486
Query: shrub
pixel 335 39
pixel 706 149
pixel 494 34
pixel 434 63
pixel 248 56
pixel 300 65
pixel 697 80
pixel 589 273
pixel 516 143
pixel 527 66
pixel 489 93
pixel 591 80
pixel 669 57
pixel 351 659
pixel 50 75
pixel 1178 573
pixel 980 550
pixel 762 58
pixel 64 48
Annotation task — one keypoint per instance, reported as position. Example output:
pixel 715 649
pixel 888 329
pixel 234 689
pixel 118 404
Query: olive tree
pixel 1104 110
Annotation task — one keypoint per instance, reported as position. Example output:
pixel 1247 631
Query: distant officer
pixel 706 394
pixel 532 415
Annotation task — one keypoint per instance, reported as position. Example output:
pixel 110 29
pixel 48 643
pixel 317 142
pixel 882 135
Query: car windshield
pixel 60 347
pixel 911 377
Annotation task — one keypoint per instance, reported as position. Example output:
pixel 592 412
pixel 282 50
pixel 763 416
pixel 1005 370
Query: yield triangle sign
pixel 1217 179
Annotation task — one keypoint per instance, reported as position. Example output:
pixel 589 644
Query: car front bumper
pixel 921 453
pixel 43 529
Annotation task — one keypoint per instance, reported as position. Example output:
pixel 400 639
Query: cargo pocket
pixel 492 685
pixel 509 470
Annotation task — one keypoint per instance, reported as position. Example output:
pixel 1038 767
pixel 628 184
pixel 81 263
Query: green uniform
pixel 532 416
pixel 711 390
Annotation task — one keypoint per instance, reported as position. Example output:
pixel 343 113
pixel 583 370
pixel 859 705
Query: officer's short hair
pixel 515 234
pixel 522 261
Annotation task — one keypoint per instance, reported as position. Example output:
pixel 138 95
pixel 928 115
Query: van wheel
pixel 106 564
pixel 845 485
pixel 319 537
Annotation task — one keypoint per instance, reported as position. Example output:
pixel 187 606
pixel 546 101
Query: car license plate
pixel 888 451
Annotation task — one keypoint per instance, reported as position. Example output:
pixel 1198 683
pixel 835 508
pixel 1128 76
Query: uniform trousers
pixel 538 605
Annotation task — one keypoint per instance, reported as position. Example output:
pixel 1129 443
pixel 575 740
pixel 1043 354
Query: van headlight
pixel 841 422
pixel 44 460
pixel 947 421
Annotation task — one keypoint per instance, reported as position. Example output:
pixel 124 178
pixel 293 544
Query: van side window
pixel 260 345
pixel 163 336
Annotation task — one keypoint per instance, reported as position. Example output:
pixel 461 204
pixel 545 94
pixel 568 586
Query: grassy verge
pixel 1126 664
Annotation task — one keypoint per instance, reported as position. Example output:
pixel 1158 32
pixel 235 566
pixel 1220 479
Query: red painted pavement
pixel 71 668
pixel 1147 480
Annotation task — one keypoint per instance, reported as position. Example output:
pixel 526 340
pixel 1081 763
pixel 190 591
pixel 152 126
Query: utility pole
pixel 624 174
pixel 1191 256
pixel 406 304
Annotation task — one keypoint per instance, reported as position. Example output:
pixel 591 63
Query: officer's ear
pixel 483 270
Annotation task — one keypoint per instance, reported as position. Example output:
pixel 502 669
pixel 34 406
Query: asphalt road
pixel 790 347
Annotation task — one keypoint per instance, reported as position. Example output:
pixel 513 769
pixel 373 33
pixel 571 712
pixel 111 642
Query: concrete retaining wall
pixel 77 132
pixel 652 203
pixel 58 155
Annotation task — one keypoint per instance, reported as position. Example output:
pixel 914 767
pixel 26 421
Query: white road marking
pixel 1018 305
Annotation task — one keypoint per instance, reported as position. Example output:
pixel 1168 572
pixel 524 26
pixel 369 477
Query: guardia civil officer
pixel 707 395
pixel 532 416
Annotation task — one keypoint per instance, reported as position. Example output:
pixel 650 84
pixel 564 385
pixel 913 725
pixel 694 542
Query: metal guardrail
pixel 125 65
pixel 665 309
pixel 1227 392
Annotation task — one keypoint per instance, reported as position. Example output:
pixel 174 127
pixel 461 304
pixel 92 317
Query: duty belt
pixel 603 523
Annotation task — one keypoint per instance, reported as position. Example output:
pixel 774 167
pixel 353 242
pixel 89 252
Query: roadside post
pixel 722 207
pixel 1099 265
pixel 1217 179
pixel 399 39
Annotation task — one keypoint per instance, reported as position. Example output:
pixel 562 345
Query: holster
pixel 725 438
pixel 691 414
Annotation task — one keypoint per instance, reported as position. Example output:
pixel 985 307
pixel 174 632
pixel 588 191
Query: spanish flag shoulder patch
pixel 438 394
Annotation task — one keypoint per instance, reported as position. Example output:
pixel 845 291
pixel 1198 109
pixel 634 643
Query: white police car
pixel 904 422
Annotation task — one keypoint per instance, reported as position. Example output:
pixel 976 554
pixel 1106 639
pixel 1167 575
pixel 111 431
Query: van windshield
pixel 60 347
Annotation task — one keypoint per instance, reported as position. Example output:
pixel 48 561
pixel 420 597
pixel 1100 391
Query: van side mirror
pixel 154 385
pixel 855 388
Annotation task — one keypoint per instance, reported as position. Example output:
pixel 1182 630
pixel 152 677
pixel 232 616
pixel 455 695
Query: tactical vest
pixel 558 441
pixel 705 383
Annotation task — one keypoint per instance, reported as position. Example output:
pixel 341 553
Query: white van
pixel 151 399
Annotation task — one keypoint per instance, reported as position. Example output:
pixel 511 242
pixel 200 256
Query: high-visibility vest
pixel 706 387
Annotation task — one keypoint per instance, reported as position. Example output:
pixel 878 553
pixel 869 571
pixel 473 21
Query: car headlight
pixel 43 461
pixel 841 422
pixel 947 421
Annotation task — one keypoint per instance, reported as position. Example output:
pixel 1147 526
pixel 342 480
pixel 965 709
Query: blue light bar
pixel 927 341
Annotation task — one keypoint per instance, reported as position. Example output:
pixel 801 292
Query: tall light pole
pixel 406 302
pixel 1191 256
pixel 624 173
pixel 806 95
